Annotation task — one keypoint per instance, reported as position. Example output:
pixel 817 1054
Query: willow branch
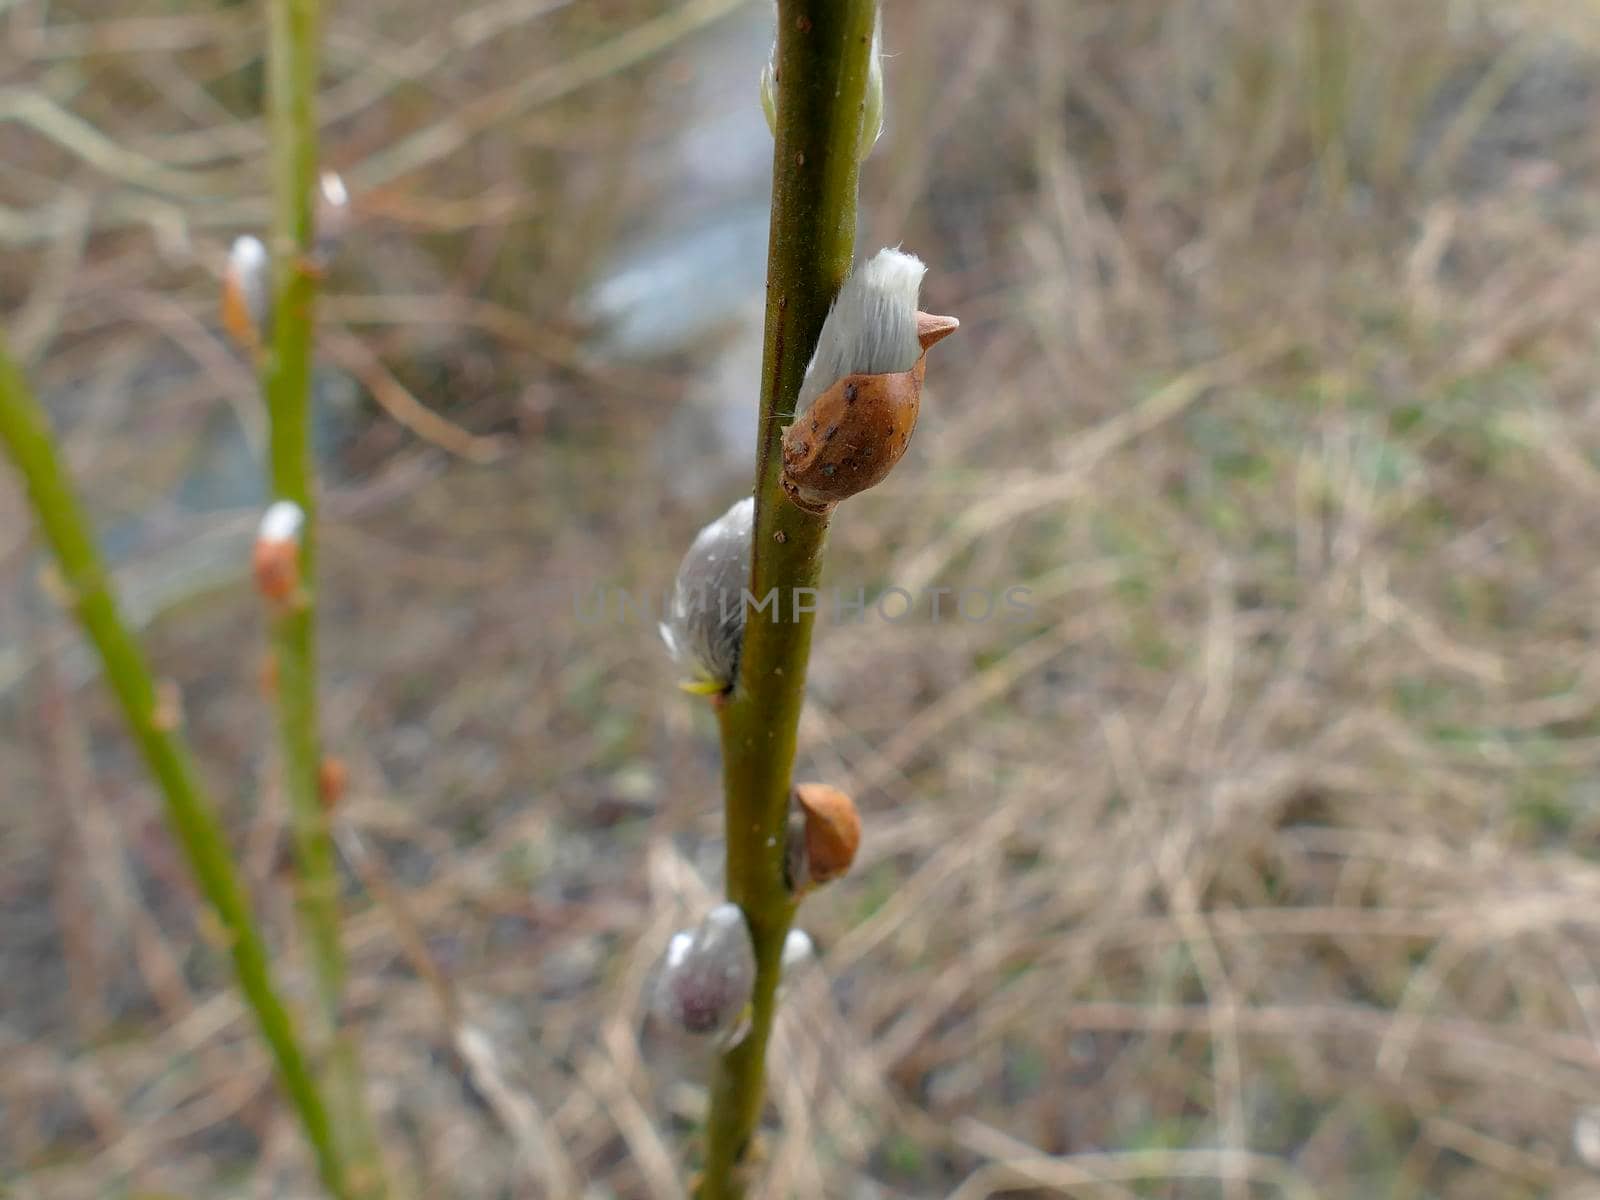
pixel 25 434
pixel 293 31
pixel 822 60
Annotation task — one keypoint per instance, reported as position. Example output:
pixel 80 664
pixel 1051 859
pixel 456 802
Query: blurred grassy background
pixel 1262 860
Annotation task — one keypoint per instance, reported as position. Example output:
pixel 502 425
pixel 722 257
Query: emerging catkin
pixel 857 405
pixel 275 558
pixel 705 615
pixel 247 293
pixel 333 220
pixel 871 105
pixel 707 978
pixel 871 328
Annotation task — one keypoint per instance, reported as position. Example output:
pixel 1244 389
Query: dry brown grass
pixel 1263 861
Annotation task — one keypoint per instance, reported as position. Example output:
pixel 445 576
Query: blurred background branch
pixel 154 713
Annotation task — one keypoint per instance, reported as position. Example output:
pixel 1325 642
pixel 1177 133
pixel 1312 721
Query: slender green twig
pixel 292 56
pixel 25 433
pixel 822 59
pixel 286 380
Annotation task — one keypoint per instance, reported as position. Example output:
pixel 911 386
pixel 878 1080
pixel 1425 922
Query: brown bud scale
pixel 237 318
pixel 827 836
pixel 276 567
pixel 855 432
pixel 332 779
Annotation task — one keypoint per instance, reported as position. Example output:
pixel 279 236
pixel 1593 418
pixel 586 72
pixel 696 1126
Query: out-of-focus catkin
pixel 708 976
pixel 275 559
pixel 247 294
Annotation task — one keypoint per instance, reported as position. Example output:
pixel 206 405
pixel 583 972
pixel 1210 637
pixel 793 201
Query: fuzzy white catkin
pixel 705 619
pixel 333 215
pixel 247 257
pixel 798 949
pixel 708 976
pixel 798 953
pixel 871 328
pixel 281 522
pixel 249 271
pixel 334 193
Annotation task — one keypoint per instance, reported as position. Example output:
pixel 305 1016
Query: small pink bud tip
pixel 931 329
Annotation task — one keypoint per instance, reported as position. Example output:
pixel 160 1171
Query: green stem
pixel 287 382
pixel 25 433
pixel 823 51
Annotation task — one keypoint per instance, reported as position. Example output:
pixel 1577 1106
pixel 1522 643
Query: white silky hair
pixel 871 328
pixel 704 986
pixel 250 270
pixel 247 257
pixel 282 522
pixel 798 949
pixel 705 623
pixel 334 192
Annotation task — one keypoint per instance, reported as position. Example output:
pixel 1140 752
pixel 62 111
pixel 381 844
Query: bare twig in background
pixel 294 48
pixel 153 721
pixel 539 1152
pixel 405 408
